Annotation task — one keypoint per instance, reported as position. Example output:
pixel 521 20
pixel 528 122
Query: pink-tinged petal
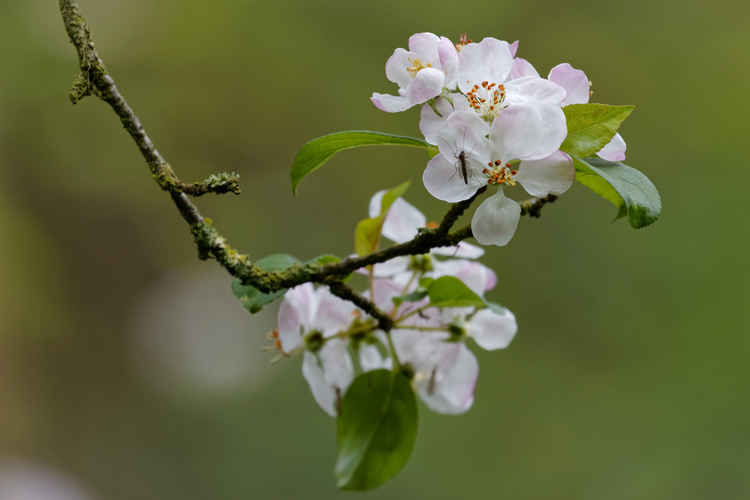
pixel 521 68
pixel 478 277
pixel 465 132
pixel 427 84
pixel 514 48
pixel 552 175
pixel 390 103
pixel 528 132
pixel 443 180
pixel 389 268
pixel 496 220
pixel 329 373
pixel 385 290
pixel 574 81
pixel 449 387
pixel 396 67
pixel 433 117
pixel 425 46
pixel 614 150
pixel 491 329
pixel 296 313
pixel 461 251
pixel 533 90
pixel 489 60
pixel 431 122
pixel 403 219
pixel 448 61
pixel 333 314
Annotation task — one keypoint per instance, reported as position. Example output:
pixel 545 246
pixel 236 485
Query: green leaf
pixel 376 429
pixel 367 233
pixel 415 296
pixel 253 299
pixel 625 187
pixel 449 291
pixel 592 126
pixel 317 152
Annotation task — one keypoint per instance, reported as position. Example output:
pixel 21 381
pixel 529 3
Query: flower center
pixel 497 173
pixel 416 67
pixel 487 99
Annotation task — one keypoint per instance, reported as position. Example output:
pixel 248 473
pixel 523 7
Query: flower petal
pixel 297 310
pixel 390 103
pixel 402 221
pixel 462 250
pixel 443 181
pixel 532 89
pixel 464 131
pixel 489 60
pixel 496 220
pixel 552 175
pixel 333 314
pixel 448 61
pixel 449 387
pixel 427 84
pixel 491 329
pixel 528 132
pixel 396 67
pixel 521 68
pixel 574 81
pixel 389 268
pixel 614 150
pixel 425 47
pixel 514 48
pixel 478 277
pixel 328 373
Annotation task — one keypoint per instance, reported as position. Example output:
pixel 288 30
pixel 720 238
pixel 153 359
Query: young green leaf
pixel 415 296
pixel 253 299
pixel 367 232
pixel 625 187
pixel 376 429
pixel 592 126
pixel 317 152
pixel 449 291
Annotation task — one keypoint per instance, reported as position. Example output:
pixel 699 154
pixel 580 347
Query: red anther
pixel 484 84
pixel 275 333
pixel 498 163
pixel 277 343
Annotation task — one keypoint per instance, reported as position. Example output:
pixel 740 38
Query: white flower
pixel 445 370
pixel 421 72
pixel 486 154
pixel 309 318
pixel 488 85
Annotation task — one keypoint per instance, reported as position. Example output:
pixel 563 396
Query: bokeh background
pixel 128 370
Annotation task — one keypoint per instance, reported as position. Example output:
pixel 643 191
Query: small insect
pixel 463 167
pixel 431 383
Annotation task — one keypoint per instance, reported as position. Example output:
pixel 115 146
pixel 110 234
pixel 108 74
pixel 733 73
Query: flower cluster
pixel 338 341
pixel 494 120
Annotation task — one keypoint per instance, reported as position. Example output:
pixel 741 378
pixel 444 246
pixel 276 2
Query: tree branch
pixel 95 80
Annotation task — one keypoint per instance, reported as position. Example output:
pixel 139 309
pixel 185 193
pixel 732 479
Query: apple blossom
pixel 489 153
pixel 309 318
pixel 421 72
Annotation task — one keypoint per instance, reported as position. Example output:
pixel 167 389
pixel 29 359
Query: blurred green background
pixel 127 367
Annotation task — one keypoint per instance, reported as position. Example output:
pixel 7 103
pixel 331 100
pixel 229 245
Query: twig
pixel 94 79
